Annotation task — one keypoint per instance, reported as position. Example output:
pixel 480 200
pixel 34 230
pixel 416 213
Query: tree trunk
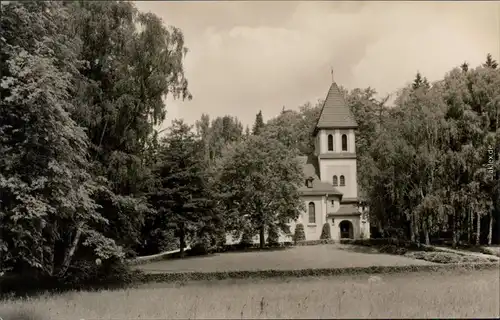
pixel 478 228
pixel 469 227
pixel 417 232
pixel 454 231
pixel 40 243
pixel 262 236
pixel 51 243
pixel 490 228
pixel 182 240
pixel 426 233
pixel 71 252
pixel 412 229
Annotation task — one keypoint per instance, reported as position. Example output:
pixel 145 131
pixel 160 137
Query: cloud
pixel 251 56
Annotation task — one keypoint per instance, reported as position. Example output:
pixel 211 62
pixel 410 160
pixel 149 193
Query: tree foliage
pixel 47 205
pixel 82 88
pixel 426 169
pixel 217 134
pixel 294 129
pixel 258 180
pixel 132 63
pixel 258 124
pixel 84 174
pixel 181 197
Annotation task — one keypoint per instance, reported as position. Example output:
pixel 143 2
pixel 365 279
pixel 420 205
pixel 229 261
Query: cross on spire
pixel 331 71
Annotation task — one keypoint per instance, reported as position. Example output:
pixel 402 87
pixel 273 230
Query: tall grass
pixel 416 295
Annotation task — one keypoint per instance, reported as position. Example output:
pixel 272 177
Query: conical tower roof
pixel 335 113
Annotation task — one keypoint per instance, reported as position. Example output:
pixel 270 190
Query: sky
pixel 265 55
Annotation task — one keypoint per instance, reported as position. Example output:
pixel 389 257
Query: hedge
pixel 264 274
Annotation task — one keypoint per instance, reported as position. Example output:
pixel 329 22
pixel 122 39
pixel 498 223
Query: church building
pixel 330 190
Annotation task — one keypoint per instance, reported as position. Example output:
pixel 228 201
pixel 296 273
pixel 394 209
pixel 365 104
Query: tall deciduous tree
pixel 259 180
pixel 132 63
pixel 46 208
pixel 295 128
pixel 218 133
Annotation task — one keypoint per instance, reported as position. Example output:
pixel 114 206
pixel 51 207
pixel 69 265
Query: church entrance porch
pixel 346 230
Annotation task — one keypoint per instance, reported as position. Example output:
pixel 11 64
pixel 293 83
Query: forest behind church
pixel 87 181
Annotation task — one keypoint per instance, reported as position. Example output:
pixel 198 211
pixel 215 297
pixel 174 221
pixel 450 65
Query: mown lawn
pixel 320 256
pixel 455 294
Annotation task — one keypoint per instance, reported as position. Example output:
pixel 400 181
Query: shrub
pixel 446 257
pixel 111 273
pixel 315 242
pixel 246 239
pixel 82 274
pixel 201 246
pixel 273 237
pixel 299 234
pixel 392 249
pixel 263 274
pixel 325 232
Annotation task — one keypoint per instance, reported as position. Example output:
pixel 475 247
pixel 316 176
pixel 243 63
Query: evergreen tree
pixel 490 62
pixel 246 239
pixel 182 197
pixel 259 124
pixel 464 66
pixel 299 234
pixel 326 232
pixel 420 82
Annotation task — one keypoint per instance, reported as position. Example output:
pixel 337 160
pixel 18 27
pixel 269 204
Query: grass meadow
pixel 319 256
pixel 473 294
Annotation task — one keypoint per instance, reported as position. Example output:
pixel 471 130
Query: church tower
pixel 335 145
pixel 330 190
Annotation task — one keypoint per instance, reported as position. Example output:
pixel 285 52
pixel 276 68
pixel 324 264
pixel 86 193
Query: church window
pixel 335 181
pixel 330 142
pixel 342 180
pixel 309 182
pixel 344 142
pixel 312 212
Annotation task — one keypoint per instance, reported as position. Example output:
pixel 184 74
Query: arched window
pixel 342 181
pixel 344 142
pixel 312 212
pixel 330 142
pixel 335 181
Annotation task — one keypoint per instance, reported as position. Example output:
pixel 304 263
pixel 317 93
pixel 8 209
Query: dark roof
pixel 310 168
pixel 335 113
pixel 346 210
